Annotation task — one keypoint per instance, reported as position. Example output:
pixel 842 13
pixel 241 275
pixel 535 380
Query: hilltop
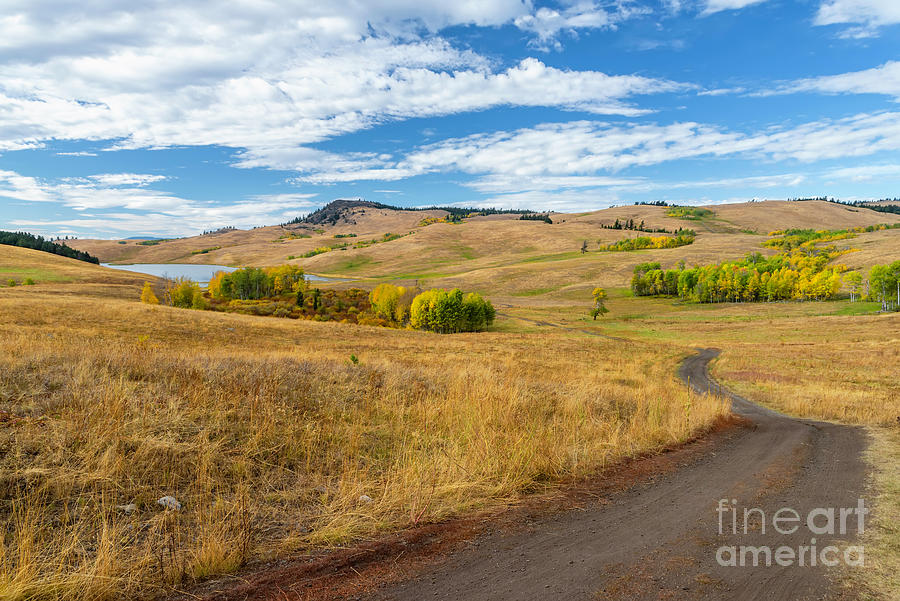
pixel 342 211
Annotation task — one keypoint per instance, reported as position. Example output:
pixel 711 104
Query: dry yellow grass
pixel 269 435
pixel 852 378
pixel 46 268
pixel 808 359
pixel 882 539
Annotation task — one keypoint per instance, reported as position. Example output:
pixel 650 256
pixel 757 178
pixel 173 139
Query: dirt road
pixel 659 540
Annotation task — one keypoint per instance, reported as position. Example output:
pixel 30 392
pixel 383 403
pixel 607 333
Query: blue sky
pixel 172 118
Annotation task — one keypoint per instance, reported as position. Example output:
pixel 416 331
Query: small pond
pixel 201 274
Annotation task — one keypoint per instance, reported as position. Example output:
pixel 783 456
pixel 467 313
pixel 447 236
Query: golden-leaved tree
pixel 147 295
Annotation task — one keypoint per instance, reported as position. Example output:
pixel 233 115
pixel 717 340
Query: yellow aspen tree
pixel 147 295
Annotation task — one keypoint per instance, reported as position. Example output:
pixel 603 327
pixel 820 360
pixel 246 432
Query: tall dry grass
pixel 881 579
pixel 848 370
pixel 269 435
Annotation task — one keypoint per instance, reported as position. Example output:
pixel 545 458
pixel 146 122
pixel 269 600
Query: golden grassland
pixel 829 360
pixel 46 268
pixel 882 538
pixel 269 434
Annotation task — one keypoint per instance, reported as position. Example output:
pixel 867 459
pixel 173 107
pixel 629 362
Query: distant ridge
pixel 336 210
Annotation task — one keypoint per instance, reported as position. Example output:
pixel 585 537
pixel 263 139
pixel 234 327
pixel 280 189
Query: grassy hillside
pixel 476 243
pixel 52 271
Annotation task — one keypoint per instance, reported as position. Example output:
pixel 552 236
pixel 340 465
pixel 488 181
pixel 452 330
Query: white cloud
pixel 272 77
pixel 132 207
pixel 864 173
pixel 22 187
pixel 578 193
pixel 722 91
pixel 869 15
pixel 547 23
pixel 884 79
pixel 493 184
pixel 126 179
pixel 582 154
pixel 561 201
pixel 715 6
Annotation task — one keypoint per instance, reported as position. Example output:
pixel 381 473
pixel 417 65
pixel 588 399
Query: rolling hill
pixel 501 253
pixel 55 273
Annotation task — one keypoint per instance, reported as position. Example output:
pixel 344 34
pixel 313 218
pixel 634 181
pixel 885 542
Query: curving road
pixel 659 539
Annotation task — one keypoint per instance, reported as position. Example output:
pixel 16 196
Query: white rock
pixel 365 499
pixel 169 503
pixel 127 509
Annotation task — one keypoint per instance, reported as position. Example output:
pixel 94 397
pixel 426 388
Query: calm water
pixel 201 274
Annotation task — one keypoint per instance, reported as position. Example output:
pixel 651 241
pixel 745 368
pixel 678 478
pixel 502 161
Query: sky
pixel 122 118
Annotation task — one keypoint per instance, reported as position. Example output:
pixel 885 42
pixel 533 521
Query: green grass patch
pixel 563 256
pixel 466 252
pixel 20 274
pixel 858 308
pixel 689 213
pixel 536 291
pixel 353 264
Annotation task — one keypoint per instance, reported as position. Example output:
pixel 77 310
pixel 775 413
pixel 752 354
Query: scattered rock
pixel 365 499
pixel 128 509
pixel 170 503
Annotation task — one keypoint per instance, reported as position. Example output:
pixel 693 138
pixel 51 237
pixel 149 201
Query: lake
pixel 201 274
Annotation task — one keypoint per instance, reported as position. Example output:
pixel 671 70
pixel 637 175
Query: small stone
pixel 169 503
pixel 365 499
pixel 127 509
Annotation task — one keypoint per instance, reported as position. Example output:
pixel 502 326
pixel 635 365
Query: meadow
pixel 275 442
pixel 832 360
pixel 281 437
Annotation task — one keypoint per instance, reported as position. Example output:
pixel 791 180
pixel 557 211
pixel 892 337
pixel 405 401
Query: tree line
pixel 799 272
pixel 863 204
pixel 283 291
pixel 545 217
pixel 882 285
pixel 437 310
pixel 643 242
pixel 26 240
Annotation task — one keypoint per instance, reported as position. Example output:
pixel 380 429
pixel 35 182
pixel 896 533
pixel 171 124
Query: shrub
pixel 690 213
pixel 199 301
pixel 11 283
pixel 28 282
pixel 180 292
pixel 316 251
pixel 642 242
